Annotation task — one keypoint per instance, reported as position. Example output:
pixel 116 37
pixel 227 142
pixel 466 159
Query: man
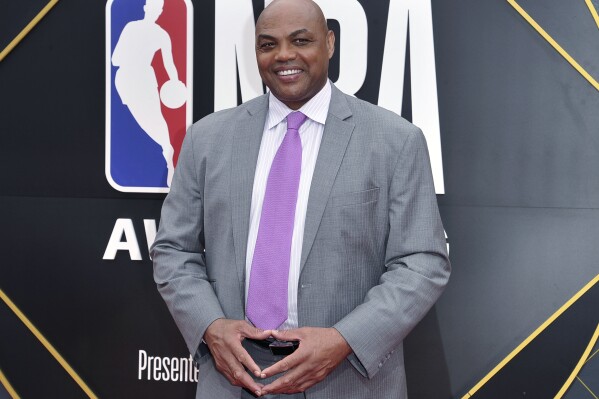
pixel 363 259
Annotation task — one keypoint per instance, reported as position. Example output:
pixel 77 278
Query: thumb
pixel 287 335
pixel 252 332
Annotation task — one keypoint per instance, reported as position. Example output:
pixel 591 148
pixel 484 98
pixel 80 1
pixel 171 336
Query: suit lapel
pixel 335 138
pixel 246 146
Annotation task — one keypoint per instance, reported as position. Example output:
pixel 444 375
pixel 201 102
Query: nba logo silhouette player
pixel 136 67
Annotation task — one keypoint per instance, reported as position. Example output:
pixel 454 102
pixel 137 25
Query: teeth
pixel 288 72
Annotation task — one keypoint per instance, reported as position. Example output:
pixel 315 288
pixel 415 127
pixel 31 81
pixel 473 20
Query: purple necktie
pixel 267 295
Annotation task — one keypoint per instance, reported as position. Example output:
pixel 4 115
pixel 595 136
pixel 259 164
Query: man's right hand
pixel 223 338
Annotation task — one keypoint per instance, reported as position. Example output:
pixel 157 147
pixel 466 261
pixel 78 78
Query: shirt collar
pixel 315 109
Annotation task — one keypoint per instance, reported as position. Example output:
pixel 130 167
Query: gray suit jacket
pixel 374 255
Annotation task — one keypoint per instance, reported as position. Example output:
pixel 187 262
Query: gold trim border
pixel 593 11
pixel 555 45
pixel 11 391
pixel 531 337
pixel 27 29
pixel 47 345
pixel 579 365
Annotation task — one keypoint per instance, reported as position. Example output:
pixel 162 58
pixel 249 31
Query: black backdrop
pixel 520 141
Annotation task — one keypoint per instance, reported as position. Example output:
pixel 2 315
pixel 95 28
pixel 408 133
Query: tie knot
pixel 295 120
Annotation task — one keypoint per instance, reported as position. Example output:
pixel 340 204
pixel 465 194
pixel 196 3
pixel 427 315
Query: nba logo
pixel 148 91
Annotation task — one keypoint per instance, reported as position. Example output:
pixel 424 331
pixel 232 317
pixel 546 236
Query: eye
pixel 301 41
pixel 266 45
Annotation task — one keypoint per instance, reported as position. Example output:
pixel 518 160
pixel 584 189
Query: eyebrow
pixel 298 32
pixel 263 36
pixel 266 37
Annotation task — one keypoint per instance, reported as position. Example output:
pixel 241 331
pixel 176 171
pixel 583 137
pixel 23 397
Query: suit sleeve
pixel 416 263
pixel 178 252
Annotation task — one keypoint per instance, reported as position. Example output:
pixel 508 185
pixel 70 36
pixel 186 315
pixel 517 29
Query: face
pixel 293 48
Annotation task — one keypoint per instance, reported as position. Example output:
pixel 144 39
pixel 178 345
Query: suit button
pixel 380 364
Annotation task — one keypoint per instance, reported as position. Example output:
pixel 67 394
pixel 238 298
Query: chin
pixel 286 96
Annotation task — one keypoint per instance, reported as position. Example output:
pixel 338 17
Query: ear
pixel 331 43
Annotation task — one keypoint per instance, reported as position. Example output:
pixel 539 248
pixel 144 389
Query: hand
pixel 223 338
pixel 320 351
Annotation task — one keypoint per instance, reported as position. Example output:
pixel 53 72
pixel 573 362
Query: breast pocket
pixel 353 228
pixel 356 198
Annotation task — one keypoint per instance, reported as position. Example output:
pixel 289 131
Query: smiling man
pixel 301 241
pixel 294 64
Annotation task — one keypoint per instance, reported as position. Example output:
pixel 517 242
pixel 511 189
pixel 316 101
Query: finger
pixel 297 380
pixel 285 364
pixel 241 378
pixel 237 375
pixel 233 358
pixel 244 358
pixel 249 331
pixel 287 383
pixel 288 335
pixel 308 378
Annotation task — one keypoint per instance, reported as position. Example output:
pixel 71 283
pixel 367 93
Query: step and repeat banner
pixel 95 99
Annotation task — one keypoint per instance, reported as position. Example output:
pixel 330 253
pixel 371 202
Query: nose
pixel 286 53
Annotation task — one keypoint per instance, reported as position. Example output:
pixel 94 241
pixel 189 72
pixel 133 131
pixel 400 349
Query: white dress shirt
pixel 311 135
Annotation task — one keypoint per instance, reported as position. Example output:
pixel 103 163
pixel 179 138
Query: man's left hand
pixel 319 352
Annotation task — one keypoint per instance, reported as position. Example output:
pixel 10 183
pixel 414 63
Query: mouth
pixel 289 72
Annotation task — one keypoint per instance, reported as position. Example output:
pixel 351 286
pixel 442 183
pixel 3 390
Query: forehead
pixel 287 18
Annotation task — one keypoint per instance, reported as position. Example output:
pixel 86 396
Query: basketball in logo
pixel 148 90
